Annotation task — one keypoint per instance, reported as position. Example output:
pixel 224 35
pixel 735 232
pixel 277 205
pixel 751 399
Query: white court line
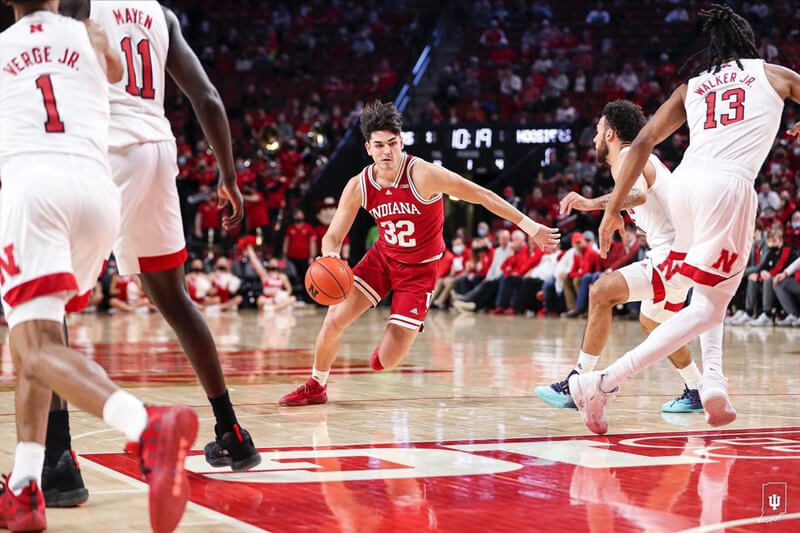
pixel 217 517
pixel 742 522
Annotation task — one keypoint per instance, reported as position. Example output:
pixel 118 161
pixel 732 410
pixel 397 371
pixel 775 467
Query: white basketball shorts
pixel 713 206
pixel 151 236
pixel 59 216
pixel 647 284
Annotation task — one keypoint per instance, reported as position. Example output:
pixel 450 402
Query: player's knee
pixel 600 294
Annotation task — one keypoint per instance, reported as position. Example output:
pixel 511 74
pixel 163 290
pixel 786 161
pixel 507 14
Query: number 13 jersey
pixel 138 31
pixel 733 115
pixel 409 227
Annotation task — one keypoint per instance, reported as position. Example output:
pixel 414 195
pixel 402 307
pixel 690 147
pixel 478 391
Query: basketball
pixel 329 280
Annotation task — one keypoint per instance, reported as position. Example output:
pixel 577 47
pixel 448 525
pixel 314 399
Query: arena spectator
pixel 298 243
pixel 325 211
pixel 758 251
pixel 484 292
pixel 276 287
pixel 760 287
pixel 226 285
pixel 454 263
pixel 127 296
pixel 787 290
pixel 589 267
pixel 677 14
pixel 200 286
pixel 767 197
pixel 598 15
pixel 494 35
pixel 257 217
pixel 514 268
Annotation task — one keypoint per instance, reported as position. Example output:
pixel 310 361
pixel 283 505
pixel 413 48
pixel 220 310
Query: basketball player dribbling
pixel 59 216
pixel 404 195
pixel 733 107
pixel 646 204
pixel 142 153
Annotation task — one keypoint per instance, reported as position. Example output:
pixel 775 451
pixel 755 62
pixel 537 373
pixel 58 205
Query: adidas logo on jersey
pixel 414 311
pixel 388 192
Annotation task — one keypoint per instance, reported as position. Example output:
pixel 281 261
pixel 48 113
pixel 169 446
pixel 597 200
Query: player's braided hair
pixel 730 38
pixel 379 116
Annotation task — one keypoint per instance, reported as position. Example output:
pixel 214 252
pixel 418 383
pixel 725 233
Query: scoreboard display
pixel 482 149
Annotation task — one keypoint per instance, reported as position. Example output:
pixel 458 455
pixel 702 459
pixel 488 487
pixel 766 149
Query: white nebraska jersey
pixel 733 115
pixel 53 91
pixel 138 30
pixel 652 217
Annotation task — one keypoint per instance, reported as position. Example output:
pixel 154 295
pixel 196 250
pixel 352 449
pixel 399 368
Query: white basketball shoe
pixel 714 396
pixel 590 400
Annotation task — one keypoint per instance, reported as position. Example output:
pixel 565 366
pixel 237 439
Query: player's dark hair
pixel 730 38
pixel 625 118
pixel 379 116
pixel 77 9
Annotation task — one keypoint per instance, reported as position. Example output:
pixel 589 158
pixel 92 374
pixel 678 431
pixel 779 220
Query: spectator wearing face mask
pixel 276 287
pixel 298 243
pixel 455 263
pixel 226 285
pixel 760 287
pixel 791 233
pixel 484 292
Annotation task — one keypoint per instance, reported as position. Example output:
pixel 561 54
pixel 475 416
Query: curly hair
pixel 625 118
pixel 379 116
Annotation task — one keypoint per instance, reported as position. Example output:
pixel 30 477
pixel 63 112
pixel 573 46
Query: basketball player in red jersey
pixel 142 153
pixel 404 195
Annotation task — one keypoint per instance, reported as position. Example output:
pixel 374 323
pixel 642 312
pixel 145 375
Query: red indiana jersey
pixel 410 228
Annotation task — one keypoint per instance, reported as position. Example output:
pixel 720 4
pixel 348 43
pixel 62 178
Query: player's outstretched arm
pixel 432 179
pixel 109 59
pixel 187 71
pixel 669 117
pixel 256 262
pixel 575 201
pixel 346 212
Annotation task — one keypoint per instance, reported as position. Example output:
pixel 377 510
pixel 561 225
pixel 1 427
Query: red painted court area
pixel 739 480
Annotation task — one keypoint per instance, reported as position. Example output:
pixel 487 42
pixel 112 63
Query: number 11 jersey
pixel 409 227
pixel 138 30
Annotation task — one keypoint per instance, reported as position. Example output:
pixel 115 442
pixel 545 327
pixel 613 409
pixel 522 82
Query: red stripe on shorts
pixel 673 307
pixel 659 293
pixel 701 276
pixel 158 263
pixel 42 286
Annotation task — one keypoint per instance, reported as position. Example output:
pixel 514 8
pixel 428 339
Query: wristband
pixel 529 226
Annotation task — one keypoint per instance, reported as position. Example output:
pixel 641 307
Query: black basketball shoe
pixel 235 449
pixel 62 483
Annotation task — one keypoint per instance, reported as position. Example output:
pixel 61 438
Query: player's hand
pixel 331 254
pixel 611 223
pixel 780 277
pixel 795 131
pixel 229 193
pixel 547 238
pixel 765 275
pixel 575 201
pixel 753 276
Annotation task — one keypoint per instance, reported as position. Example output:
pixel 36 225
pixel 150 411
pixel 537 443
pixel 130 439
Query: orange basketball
pixel 329 280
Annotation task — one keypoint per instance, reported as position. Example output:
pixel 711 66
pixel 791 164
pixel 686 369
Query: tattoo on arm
pixel 634 198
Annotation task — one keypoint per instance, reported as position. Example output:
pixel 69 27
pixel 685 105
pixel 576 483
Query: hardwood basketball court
pixel 453 440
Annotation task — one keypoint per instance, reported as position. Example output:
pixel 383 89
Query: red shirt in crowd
pixel 319 232
pixel 298 237
pixel 209 216
pixel 452 264
pixel 590 261
pixel 256 211
pixel 514 264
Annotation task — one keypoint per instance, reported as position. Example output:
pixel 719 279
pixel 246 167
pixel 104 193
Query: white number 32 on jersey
pixel 399 232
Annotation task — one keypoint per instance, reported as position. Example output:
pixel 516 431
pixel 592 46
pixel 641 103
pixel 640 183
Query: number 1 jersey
pixel 138 31
pixel 733 115
pixel 410 227
pixel 53 91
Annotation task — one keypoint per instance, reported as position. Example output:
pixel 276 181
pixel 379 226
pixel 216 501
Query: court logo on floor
pixel 773 500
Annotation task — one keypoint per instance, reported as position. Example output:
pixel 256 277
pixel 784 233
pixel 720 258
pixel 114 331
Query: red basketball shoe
pixel 309 393
pixel 24 512
pixel 162 449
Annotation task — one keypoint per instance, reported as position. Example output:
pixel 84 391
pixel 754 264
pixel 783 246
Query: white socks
pixel 586 362
pixel 711 345
pixel 28 463
pixel 707 311
pixel 691 376
pixel 319 376
pixel 124 412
